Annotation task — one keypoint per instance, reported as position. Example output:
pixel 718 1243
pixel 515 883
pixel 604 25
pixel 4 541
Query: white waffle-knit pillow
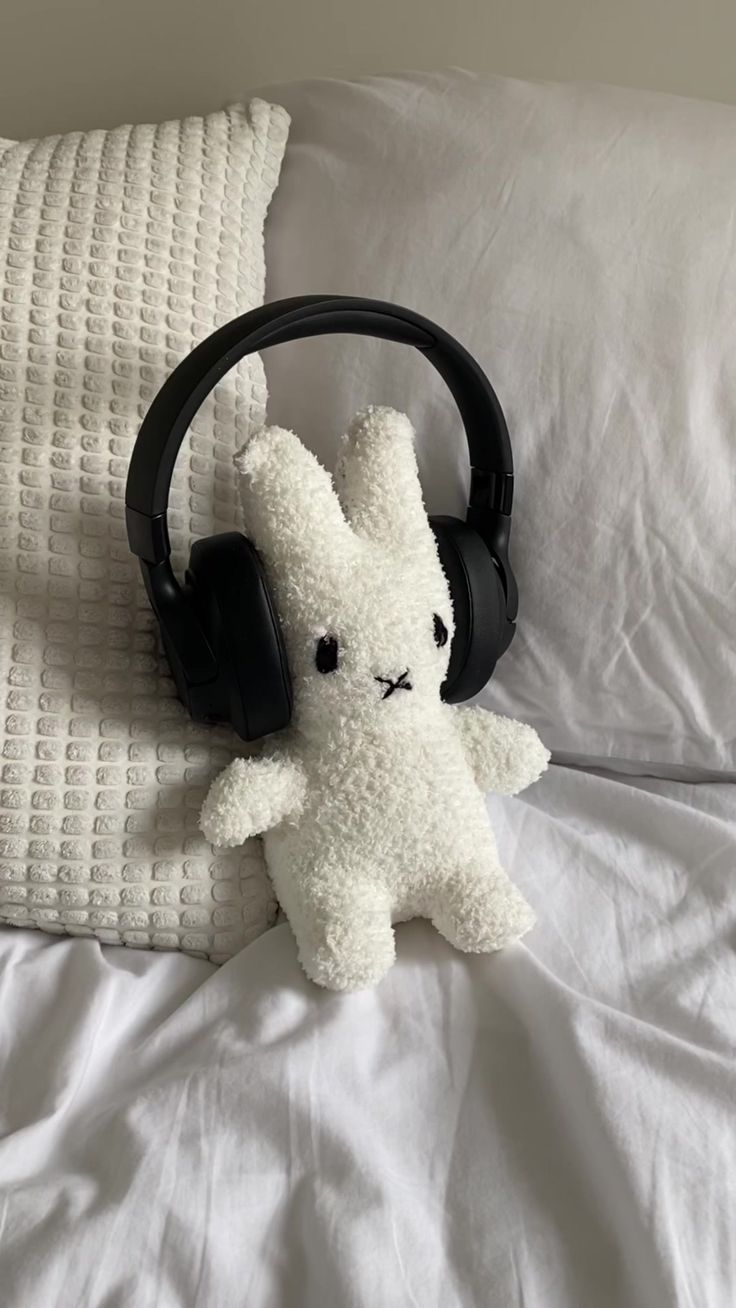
pixel 119 252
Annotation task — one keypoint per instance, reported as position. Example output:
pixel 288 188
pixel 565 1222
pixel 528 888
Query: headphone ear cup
pixel 228 588
pixel 479 608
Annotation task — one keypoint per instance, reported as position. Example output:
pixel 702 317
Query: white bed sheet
pixel 552 1127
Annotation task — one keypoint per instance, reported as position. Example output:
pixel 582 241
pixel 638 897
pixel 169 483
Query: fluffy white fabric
pixel 119 252
pixel 372 800
pixel 579 240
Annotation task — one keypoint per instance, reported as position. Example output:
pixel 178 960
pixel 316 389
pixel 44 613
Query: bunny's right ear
pixel 289 503
pixel 378 482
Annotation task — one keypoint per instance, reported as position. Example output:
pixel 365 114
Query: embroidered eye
pixel 440 631
pixel 326 653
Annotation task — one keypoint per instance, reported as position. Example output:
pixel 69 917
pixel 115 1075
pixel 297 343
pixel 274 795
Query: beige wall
pixel 83 63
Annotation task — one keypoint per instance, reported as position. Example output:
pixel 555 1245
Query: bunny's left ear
pixel 290 507
pixel 378 482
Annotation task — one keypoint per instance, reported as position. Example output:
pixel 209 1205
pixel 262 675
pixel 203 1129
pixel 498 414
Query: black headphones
pixel 220 630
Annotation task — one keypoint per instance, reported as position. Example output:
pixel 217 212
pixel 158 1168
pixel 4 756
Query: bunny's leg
pixel 343 932
pixel 478 909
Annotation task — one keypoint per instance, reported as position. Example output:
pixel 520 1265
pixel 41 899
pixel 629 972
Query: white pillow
pixel 119 251
pixel 579 240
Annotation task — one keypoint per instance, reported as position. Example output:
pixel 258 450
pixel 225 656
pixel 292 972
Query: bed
pixel 552 1126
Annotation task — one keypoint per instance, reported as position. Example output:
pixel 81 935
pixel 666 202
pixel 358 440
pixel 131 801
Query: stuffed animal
pixel 371 802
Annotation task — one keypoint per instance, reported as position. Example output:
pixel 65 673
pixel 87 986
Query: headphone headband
pixel 167 420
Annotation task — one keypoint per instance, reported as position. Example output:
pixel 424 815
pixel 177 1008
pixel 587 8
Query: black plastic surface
pixel 188 650
pixel 231 597
pixel 478 604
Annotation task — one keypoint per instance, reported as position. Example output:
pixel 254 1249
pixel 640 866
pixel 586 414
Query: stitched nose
pixel 401 683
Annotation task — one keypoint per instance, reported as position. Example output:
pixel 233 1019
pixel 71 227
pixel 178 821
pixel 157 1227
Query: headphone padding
pixel 479 607
pixel 229 590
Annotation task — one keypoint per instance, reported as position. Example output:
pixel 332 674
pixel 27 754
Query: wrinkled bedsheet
pixel 552 1127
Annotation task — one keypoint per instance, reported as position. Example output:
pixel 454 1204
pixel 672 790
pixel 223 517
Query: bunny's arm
pixel 505 756
pixel 252 795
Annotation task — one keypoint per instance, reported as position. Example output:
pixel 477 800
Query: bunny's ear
pixel 378 481
pixel 289 502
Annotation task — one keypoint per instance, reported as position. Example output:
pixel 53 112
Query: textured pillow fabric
pixel 119 251
pixel 579 241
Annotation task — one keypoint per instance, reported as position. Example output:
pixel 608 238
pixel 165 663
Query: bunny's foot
pixel 344 936
pixel 480 911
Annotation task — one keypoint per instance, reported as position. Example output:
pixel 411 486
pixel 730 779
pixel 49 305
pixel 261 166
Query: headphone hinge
pixel 148 537
pixel 190 653
pixel 491 491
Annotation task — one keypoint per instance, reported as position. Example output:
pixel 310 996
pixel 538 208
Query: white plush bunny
pixel 372 801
